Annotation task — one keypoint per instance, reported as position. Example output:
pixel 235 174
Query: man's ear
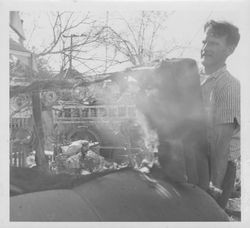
pixel 230 50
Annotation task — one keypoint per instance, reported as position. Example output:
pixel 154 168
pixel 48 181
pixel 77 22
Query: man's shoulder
pixel 227 79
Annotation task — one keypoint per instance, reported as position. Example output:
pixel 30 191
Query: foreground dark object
pixel 171 101
pixel 124 195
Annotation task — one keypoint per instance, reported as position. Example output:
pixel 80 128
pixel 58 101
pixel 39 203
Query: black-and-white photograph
pixel 126 114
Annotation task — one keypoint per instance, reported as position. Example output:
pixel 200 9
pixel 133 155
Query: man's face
pixel 214 49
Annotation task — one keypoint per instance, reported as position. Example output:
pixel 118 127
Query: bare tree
pixel 137 40
pixel 65 42
pixel 63 23
pixel 102 44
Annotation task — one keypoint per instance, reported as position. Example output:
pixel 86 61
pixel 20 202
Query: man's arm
pixel 221 138
pixel 227 106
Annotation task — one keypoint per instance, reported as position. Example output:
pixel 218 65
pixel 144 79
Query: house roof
pixel 16 23
pixel 15 46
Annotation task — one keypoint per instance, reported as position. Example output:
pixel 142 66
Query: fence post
pixel 10 155
pixel 15 159
pixel 19 158
pixel 23 159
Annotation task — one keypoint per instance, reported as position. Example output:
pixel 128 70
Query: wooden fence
pixel 18 159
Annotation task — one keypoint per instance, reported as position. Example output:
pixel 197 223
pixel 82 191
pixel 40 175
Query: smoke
pixel 171 96
pixel 150 136
pixel 170 100
pixel 170 114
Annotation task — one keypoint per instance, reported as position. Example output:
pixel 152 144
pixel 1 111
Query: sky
pixel 185 26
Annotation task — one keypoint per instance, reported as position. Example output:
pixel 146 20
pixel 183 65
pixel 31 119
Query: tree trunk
pixel 41 161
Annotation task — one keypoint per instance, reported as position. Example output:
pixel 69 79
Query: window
pixel 67 112
pixel 85 112
pixel 75 112
pixel 122 111
pixel 112 112
pixel 102 112
pixel 131 112
pixel 93 112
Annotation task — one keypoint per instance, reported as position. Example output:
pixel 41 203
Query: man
pixel 221 96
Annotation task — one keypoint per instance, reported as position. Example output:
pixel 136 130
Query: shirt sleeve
pixel 228 103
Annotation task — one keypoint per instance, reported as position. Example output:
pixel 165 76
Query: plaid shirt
pixel 221 97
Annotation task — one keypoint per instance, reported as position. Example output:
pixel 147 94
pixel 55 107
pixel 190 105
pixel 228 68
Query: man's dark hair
pixel 223 28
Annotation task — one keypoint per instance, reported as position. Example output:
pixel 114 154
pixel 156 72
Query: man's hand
pixel 214 191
